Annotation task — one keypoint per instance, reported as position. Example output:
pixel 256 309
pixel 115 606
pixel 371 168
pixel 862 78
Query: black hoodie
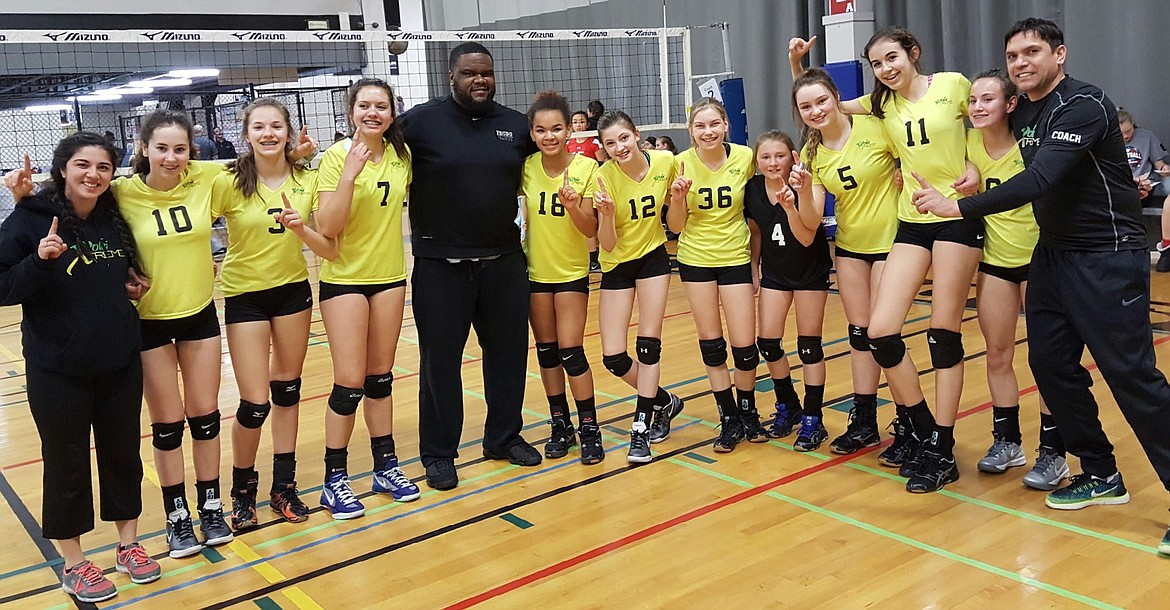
pixel 78 319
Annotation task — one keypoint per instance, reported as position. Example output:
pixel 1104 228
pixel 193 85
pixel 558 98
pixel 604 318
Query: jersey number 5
pixel 846 180
pixel 180 220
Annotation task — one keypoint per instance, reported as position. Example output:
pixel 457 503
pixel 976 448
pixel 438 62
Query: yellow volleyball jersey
pixel 557 252
pixel 638 206
pixel 172 230
pixel 860 177
pixel 262 253
pixel 929 137
pixel 1011 236
pixel 716 234
pixel 370 245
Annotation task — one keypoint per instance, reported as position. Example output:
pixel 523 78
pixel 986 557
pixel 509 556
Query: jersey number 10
pixel 180 220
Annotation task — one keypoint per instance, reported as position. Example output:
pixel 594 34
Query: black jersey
pixel 1077 175
pixel 782 257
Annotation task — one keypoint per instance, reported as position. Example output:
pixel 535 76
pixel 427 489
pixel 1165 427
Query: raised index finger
pixel 920 179
pixel 27 165
pixel 53 227
pixel 304 133
pixel 287 205
pixel 682 169
pixel 601 186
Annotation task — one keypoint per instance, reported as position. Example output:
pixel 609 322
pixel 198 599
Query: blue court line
pixel 31 526
pixel 363 528
pixel 56 563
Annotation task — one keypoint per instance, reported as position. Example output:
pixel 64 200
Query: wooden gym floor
pixel 763 526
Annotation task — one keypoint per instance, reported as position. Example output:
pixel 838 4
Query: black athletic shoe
pixel 858 435
pixel 660 424
pixel 591 450
pixel 812 434
pixel 730 434
pixel 520 454
pixel 784 420
pixel 914 459
pixel 903 447
pixel 753 430
pixel 639 444
pixel 244 507
pixel 441 474
pixel 933 473
pixel 1163 264
pixel 211 523
pixel 563 438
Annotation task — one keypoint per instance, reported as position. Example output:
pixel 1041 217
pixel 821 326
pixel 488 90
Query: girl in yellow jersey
pixel 268 303
pixel 559 220
pixel 629 191
pixel 362 184
pixel 167 204
pixel 923 118
pixel 714 262
pixel 1002 285
pixel 851 158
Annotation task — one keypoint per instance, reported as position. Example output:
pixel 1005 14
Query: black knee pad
pixel 204 427
pixel 808 347
pixel 345 401
pixel 379 386
pixel 746 357
pixel 771 349
pixel 285 393
pixel 573 360
pixel 168 436
pixel 888 351
pixel 714 351
pixel 946 347
pixel 859 338
pixel 252 415
pixel 548 355
pixel 649 350
pixel 618 364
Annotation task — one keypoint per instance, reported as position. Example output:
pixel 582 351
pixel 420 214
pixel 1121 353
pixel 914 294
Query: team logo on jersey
pixel 100 249
pixel 190 183
pixel 942 100
pixel 659 177
pixel 864 144
pixel 1028 137
pixel 735 171
pixel 1018 164
pixel 575 180
pixel 299 190
pixel 505 136
pixel 396 164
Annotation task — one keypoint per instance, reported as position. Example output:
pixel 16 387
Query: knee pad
pixel 618 364
pixel 344 401
pixel 285 393
pixel 548 355
pixel 714 352
pixel 859 338
pixel 573 360
pixel 649 350
pixel 888 351
pixel 746 357
pixel 252 415
pixel 168 436
pixel 946 347
pixel 808 347
pixel 772 349
pixel 204 427
pixel 379 386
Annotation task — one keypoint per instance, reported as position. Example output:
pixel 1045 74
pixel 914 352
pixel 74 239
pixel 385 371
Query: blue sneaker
pixel 394 482
pixel 337 496
pixel 812 434
pixel 783 420
pixel 1086 490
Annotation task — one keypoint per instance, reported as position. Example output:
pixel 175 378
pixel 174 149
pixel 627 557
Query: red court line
pixel 604 549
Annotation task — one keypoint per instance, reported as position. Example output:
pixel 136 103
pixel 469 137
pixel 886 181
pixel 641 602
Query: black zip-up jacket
pixel 466 178
pixel 78 319
pixel 1077 175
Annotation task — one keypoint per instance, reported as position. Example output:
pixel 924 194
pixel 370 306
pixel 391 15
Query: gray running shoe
pixel 1001 456
pixel 1050 469
pixel 660 424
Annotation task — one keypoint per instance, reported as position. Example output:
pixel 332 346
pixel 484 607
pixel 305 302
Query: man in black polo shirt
pixel 1088 284
pixel 469 269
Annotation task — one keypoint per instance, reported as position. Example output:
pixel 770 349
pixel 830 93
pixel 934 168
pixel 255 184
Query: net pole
pixel 688 72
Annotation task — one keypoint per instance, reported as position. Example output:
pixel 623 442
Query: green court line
pixel 700 457
pixel 517 521
pixel 941 552
pixel 266 603
pixel 373 511
pixel 212 555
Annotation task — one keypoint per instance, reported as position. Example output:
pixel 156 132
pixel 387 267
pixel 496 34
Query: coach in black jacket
pixel 1088 283
pixel 469 270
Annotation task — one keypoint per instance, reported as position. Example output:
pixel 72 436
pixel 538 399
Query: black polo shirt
pixel 466 178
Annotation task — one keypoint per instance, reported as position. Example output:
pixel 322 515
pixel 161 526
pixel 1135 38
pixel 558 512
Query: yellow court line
pixel 149 472
pixel 272 575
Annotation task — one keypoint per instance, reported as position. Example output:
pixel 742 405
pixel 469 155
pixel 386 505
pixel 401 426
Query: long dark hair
pixel 70 223
pixel 812 137
pixel 245 165
pixel 153 121
pixel 393 134
pixel 881 91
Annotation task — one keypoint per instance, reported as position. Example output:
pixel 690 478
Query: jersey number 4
pixel 180 220
pixel 778 235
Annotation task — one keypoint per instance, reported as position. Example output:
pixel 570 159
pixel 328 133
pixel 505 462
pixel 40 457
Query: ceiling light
pixel 129 90
pixel 47 108
pixel 193 73
pixel 97 97
pixel 160 82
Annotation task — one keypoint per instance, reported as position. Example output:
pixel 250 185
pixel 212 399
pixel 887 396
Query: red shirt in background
pixel 587 147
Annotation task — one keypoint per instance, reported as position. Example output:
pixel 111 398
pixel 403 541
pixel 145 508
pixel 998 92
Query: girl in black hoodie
pixel 67 257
